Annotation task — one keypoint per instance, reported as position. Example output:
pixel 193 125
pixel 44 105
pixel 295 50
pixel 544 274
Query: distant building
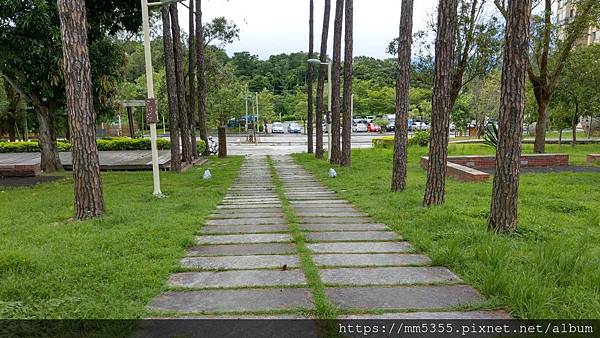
pixel 565 13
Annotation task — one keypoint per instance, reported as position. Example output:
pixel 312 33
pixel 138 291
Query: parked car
pixel 370 119
pixel 420 126
pixel 360 128
pixel 294 128
pixel 373 128
pixel 277 128
pixel 391 126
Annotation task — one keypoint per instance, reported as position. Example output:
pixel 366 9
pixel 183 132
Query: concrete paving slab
pixel 228 301
pixel 242 249
pixel 433 315
pixel 343 227
pixel 325 213
pixel 351 236
pixel 244 229
pixel 403 297
pixel 241 262
pixel 360 247
pixel 247 221
pixel 337 260
pixel 229 207
pixel 248 238
pixel 387 276
pixel 237 279
pixel 339 220
pixel 243 215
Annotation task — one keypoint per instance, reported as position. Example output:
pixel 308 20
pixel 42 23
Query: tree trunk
pixel 441 103
pixel 335 89
pixel 171 90
pixel 309 79
pixel 321 81
pixel 222 141
pixel 574 124
pixel 402 103
pixel 89 201
pixel 186 143
pixel 192 80
pixel 540 127
pixel 503 214
pixel 200 69
pixel 346 156
pixel 560 132
pixel 50 161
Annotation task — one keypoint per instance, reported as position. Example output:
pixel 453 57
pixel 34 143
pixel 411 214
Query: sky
pixel 269 27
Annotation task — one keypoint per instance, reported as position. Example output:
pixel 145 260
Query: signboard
pixel 151 111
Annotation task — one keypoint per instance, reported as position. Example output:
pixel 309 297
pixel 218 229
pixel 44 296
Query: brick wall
pixel 591 158
pixel 20 170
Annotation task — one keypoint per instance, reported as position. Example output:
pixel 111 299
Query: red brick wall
pixel 591 158
pixel 535 160
pixel 20 170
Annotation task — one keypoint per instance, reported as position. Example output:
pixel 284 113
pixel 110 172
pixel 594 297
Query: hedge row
pixel 105 144
pixel 420 138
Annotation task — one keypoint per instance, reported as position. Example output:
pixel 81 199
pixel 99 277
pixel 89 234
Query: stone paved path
pixel 364 265
pixel 245 261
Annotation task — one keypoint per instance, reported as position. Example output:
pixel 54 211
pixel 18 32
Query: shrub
pixel 200 146
pixel 421 139
pixel 386 142
pixel 490 137
pixel 104 144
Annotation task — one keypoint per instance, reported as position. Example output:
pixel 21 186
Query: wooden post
pixel 130 119
pixel 222 142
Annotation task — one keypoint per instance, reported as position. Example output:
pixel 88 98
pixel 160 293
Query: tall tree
pixel 503 214
pixel 441 103
pixel 321 81
pixel 402 95
pixel 173 98
pixel 192 78
pixel 335 78
pixel 201 74
pixel 309 78
pixel 89 200
pixel 346 155
pixel 548 57
pixel 186 143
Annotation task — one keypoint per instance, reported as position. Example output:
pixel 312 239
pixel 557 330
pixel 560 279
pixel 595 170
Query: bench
pixel 460 172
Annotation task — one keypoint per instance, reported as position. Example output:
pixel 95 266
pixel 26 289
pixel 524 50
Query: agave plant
pixel 490 137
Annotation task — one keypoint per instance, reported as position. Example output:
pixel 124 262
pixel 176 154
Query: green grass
pixel 110 267
pixel 324 309
pixel 549 268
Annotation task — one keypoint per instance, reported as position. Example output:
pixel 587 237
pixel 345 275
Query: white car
pixel 277 127
pixel 422 126
pixel 360 128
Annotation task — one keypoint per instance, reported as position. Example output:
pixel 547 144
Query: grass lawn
pixel 549 268
pixel 110 267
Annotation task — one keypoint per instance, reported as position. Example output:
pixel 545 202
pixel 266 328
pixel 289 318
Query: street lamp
pixel 318 62
pixel 151 112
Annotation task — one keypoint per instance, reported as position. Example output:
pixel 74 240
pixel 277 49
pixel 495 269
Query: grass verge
pixel 52 267
pixel 549 268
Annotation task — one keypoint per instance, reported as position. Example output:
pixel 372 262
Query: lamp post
pixel 151 110
pixel 329 98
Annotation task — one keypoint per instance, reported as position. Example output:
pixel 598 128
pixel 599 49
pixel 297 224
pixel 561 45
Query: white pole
pixel 246 98
pixel 351 111
pixel 329 101
pixel 150 85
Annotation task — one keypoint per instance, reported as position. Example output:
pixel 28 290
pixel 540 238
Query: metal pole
pixel 351 110
pixel 150 85
pixel 329 101
pixel 246 126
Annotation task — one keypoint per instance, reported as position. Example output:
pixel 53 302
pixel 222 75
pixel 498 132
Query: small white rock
pixel 207 175
pixel 332 173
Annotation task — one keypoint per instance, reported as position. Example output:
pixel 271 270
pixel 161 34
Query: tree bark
pixel 321 81
pixel 309 79
pixel 402 103
pixel 200 69
pixel 89 201
pixel 171 90
pixel 50 160
pixel 335 75
pixel 192 80
pixel 222 141
pixel 503 214
pixel 186 143
pixel 346 155
pixel 130 122
pixel 540 126
pixel 574 123
pixel 441 103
